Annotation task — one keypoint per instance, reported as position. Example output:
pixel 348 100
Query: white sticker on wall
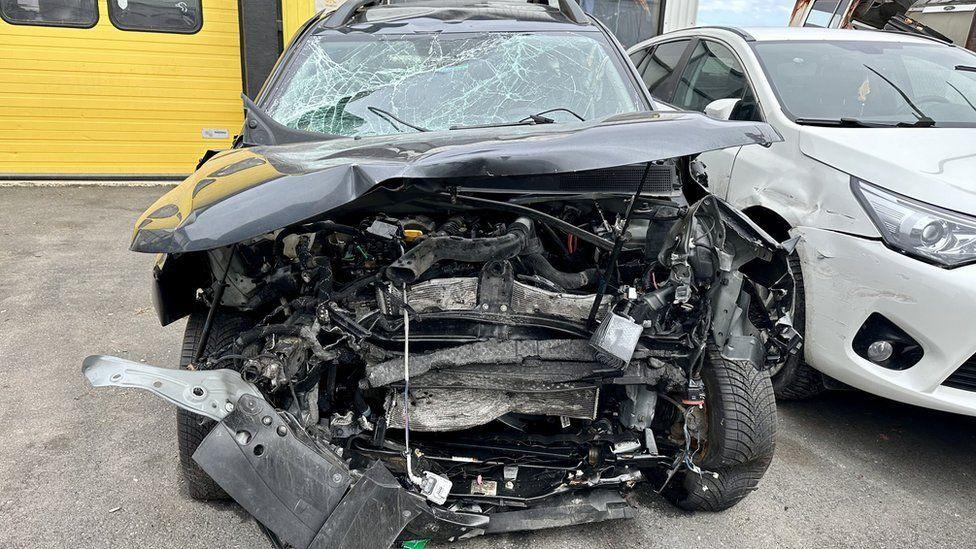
pixel 216 133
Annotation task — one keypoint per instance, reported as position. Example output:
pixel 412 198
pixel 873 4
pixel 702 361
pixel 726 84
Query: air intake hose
pixel 569 281
pixel 414 263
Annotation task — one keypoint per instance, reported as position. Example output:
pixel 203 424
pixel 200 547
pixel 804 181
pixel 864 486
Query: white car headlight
pixel 918 229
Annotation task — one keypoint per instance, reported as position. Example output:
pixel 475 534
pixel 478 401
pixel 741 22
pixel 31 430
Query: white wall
pixel 680 14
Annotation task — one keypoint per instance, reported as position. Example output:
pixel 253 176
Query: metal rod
pixel 218 296
pixel 618 243
pixel 406 389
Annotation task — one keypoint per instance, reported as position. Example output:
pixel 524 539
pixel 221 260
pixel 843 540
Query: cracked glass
pixel 361 86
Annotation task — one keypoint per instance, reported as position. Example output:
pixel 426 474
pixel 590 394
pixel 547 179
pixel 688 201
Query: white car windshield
pixel 872 83
pixel 359 86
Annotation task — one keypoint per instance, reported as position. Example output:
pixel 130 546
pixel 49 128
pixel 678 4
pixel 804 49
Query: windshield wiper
pixel 843 122
pixel 964 98
pixel 924 121
pixel 531 120
pixel 965 68
pixel 541 118
pixel 390 117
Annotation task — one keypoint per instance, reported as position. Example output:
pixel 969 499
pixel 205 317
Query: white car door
pixel 714 82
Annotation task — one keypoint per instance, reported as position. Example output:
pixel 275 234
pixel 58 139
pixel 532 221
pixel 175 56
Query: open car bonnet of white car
pixel 934 165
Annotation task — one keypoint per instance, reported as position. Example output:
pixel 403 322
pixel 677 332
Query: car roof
pixel 776 34
pixel 407 16
pixel 770 34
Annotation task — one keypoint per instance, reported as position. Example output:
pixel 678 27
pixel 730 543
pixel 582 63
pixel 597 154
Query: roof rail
pixel 572 11
pixel 915 35
pixel 347 10
pixel 734 30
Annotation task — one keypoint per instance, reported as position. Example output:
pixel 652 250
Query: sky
pixel 745 13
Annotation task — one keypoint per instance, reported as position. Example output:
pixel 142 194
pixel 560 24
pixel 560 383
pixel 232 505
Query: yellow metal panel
pixel 293 14
pixel 107 101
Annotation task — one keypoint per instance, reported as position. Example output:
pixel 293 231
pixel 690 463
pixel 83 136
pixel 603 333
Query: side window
pixel 637 57
pixel 660 64
pixel 713 73
pixel 175 16
pixel 50 13
pixel 826 13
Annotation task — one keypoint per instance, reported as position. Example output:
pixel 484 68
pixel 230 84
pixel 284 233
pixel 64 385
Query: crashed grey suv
pixel 458 277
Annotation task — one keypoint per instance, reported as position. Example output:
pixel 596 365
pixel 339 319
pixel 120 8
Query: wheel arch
pixel 773 223
pixel 176 279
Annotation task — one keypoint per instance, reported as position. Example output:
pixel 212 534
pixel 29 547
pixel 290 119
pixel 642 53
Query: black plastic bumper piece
pixel 276 473
pixel 302 493
pixel 567 510
pixel 372 515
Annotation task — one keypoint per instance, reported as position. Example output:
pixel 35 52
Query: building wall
pixel 680 14
pixel 294 13
pixel 106 101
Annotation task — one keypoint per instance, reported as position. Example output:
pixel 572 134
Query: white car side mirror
pixel 721 108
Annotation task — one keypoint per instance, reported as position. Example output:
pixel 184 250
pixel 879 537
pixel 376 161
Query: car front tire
pixel 191 428
pixel 740 409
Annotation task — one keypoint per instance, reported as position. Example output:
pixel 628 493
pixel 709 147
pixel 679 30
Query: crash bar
pixel 348 10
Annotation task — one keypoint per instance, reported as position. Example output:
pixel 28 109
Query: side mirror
pixel 722 108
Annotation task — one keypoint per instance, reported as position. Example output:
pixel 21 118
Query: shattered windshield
pixel 360 86
pixel 885 83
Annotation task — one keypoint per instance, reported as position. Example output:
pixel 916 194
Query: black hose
pixel 415 262
pixel 539 265
pixel 252 336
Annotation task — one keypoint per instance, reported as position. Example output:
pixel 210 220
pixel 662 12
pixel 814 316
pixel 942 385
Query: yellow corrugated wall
pixel 106 101
pixel 293 14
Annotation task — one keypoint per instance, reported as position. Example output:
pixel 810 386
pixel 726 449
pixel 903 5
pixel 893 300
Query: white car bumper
pixel 847 278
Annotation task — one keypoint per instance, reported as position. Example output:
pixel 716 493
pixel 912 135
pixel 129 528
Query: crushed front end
pixel 443 358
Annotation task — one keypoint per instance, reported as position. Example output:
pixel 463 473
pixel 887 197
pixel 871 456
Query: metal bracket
pixel 210 393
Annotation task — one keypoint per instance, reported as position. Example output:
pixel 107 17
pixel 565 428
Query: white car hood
pixel 934 165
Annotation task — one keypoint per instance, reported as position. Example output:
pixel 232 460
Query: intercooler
pixel 461 294
pixel 470 385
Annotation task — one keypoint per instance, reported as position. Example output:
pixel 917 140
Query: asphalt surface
pixel 87 468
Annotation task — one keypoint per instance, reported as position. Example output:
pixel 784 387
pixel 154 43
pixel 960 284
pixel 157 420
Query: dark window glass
pixel 713 73
pixel 660 64
pixel 637 57
pixel 631 21
pixel 178 16
pixel 52 13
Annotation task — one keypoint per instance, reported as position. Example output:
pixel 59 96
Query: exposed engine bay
pixel 438 359
pixel 490 335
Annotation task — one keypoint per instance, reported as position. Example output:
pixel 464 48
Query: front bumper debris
pixel 210 393
pixel 299 488
pixel 302 491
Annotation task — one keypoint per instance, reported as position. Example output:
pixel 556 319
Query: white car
pixel 877 176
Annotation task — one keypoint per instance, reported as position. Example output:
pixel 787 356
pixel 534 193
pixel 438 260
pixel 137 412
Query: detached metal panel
pixel 104 101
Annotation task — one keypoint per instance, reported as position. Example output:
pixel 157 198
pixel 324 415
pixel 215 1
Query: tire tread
pixel 191 428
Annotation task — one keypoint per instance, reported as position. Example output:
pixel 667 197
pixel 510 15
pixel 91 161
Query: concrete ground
pixel 84 468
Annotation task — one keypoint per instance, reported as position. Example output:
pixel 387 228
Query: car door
pixel 714 72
